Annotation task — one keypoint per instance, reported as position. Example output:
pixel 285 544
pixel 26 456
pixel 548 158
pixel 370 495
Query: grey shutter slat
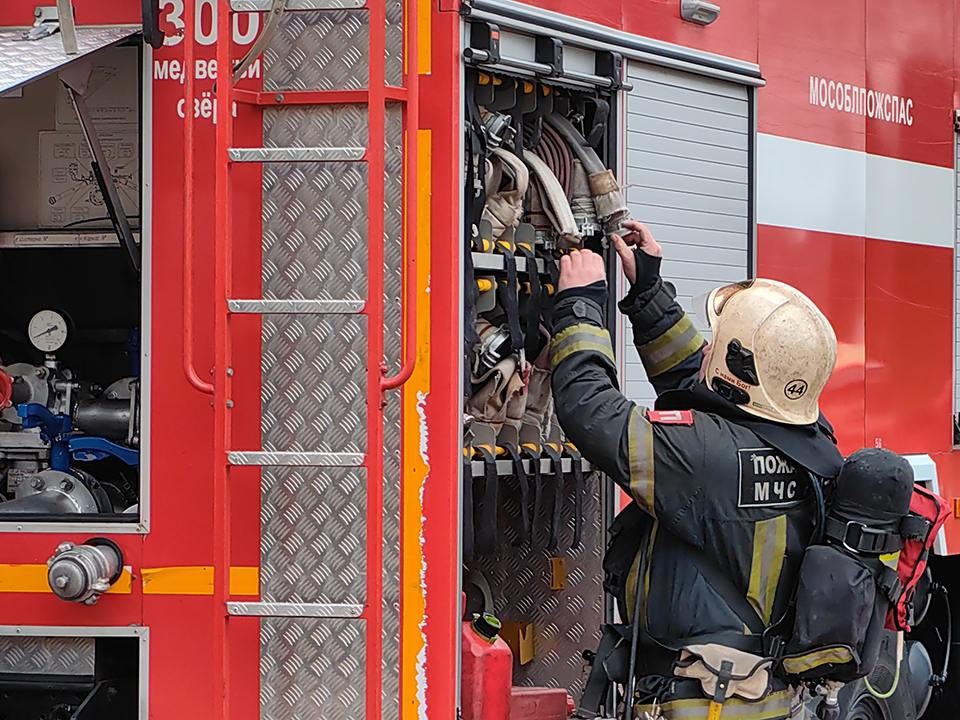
pixel 687 178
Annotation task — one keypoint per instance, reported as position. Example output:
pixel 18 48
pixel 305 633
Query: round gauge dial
pixel 47 331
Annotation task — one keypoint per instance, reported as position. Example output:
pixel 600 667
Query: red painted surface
pixel 734 33
pixel 440 93
pixel 830 269
pixel 948 477
pixel 891 306
pixel 909 346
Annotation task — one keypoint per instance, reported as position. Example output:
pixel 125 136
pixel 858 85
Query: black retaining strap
pixel 485 527
pixel 554 454
pixel 579 491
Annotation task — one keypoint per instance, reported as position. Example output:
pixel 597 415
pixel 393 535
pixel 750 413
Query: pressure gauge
pixel 47 331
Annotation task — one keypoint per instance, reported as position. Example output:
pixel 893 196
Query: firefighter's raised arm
pixel 668 343
pixel 610 430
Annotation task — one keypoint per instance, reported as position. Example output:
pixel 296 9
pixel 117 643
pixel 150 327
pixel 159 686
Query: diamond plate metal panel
pixel 329 50
pixel 393 70
pixel 324 50
pixel 567 621
pixel 393 218
pixel 314 384
pixel 311 669
pixel 313 535
pixel 315 214
pixel 47 655
pixel 23 61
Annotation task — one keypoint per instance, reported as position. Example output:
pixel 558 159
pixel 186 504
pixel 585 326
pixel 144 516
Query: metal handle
pixel 410 190
pixel 189 370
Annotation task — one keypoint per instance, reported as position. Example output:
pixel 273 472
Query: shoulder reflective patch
pixel 768 479
pixel 670 417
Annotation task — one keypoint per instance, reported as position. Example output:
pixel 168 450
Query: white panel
pixel 579 60
pixel 810 186
pixel 518 47
pixel 687 178
pixel 828 189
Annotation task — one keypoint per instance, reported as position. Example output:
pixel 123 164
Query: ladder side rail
pixel 222 373
pixel 375 311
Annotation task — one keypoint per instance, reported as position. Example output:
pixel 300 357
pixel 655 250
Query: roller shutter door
pixel 688 177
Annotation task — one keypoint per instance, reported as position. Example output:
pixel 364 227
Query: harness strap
pixel 524 480
pixel 552 451
pixel 532 316
pixel 532 452
pixel 576 469
pixel 507 292
pixel 860 538
pixel 467 509
pixel 487 532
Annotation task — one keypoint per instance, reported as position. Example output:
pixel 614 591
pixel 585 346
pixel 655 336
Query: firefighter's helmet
pixel 772 350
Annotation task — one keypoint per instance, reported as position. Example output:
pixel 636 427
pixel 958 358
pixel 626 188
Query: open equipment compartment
pixel 535 512
pixel 71 299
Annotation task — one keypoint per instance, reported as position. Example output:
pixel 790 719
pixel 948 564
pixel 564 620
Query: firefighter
pixel 703 561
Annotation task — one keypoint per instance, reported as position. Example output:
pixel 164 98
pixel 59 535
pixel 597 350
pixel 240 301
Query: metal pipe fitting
pixel 82 573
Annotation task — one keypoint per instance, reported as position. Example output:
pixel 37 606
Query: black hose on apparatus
pixel 940 679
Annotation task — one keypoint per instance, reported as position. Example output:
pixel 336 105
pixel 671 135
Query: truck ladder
pixel 374 97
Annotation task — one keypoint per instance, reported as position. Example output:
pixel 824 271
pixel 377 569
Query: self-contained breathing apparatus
pixel 874 528
pixel 536 187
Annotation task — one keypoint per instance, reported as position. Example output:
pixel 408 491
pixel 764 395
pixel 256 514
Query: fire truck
pixel 241 261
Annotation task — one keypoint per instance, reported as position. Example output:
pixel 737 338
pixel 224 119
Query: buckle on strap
pixel 915 527
pixel 860 538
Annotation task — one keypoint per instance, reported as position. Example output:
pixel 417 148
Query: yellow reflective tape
pixel 640 447
pixel 244 580
pixel 424 41
pixel 197 580
pixel 776 705
pixel 32 578
pixel 769 548
pixel 182 580
pixel 585 328
pixel 891 560
pixel 582 337
pixel 581 346
pixel 839 655
pixel 670 349
pixel 714 710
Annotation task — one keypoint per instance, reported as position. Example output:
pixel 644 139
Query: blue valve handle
pixel 97 448
pixel 56 429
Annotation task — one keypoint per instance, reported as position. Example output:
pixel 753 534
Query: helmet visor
pixel 709 306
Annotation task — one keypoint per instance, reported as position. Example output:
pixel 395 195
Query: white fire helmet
pixel 772 350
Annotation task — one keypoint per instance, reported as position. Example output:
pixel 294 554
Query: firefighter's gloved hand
pixel 580 268
pixel 640 255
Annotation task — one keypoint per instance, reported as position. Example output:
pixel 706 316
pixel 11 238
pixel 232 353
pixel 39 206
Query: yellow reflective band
pixel 892 560
pixel 181 580
pixel 32 578
pixel 839 655
pixel 769 548
pixel 670 349
pixel 640 447
pixel 776 706
pixel 580 338
pixel 714 710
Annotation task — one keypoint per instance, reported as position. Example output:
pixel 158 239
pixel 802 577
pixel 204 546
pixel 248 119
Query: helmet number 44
pixel 795 389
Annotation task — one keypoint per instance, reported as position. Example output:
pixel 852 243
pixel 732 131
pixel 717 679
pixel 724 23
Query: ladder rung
pixel 297 154
pixel 505 467
pixel 265 5
pixel 307 610
pixel 295 459
pixel 296 307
